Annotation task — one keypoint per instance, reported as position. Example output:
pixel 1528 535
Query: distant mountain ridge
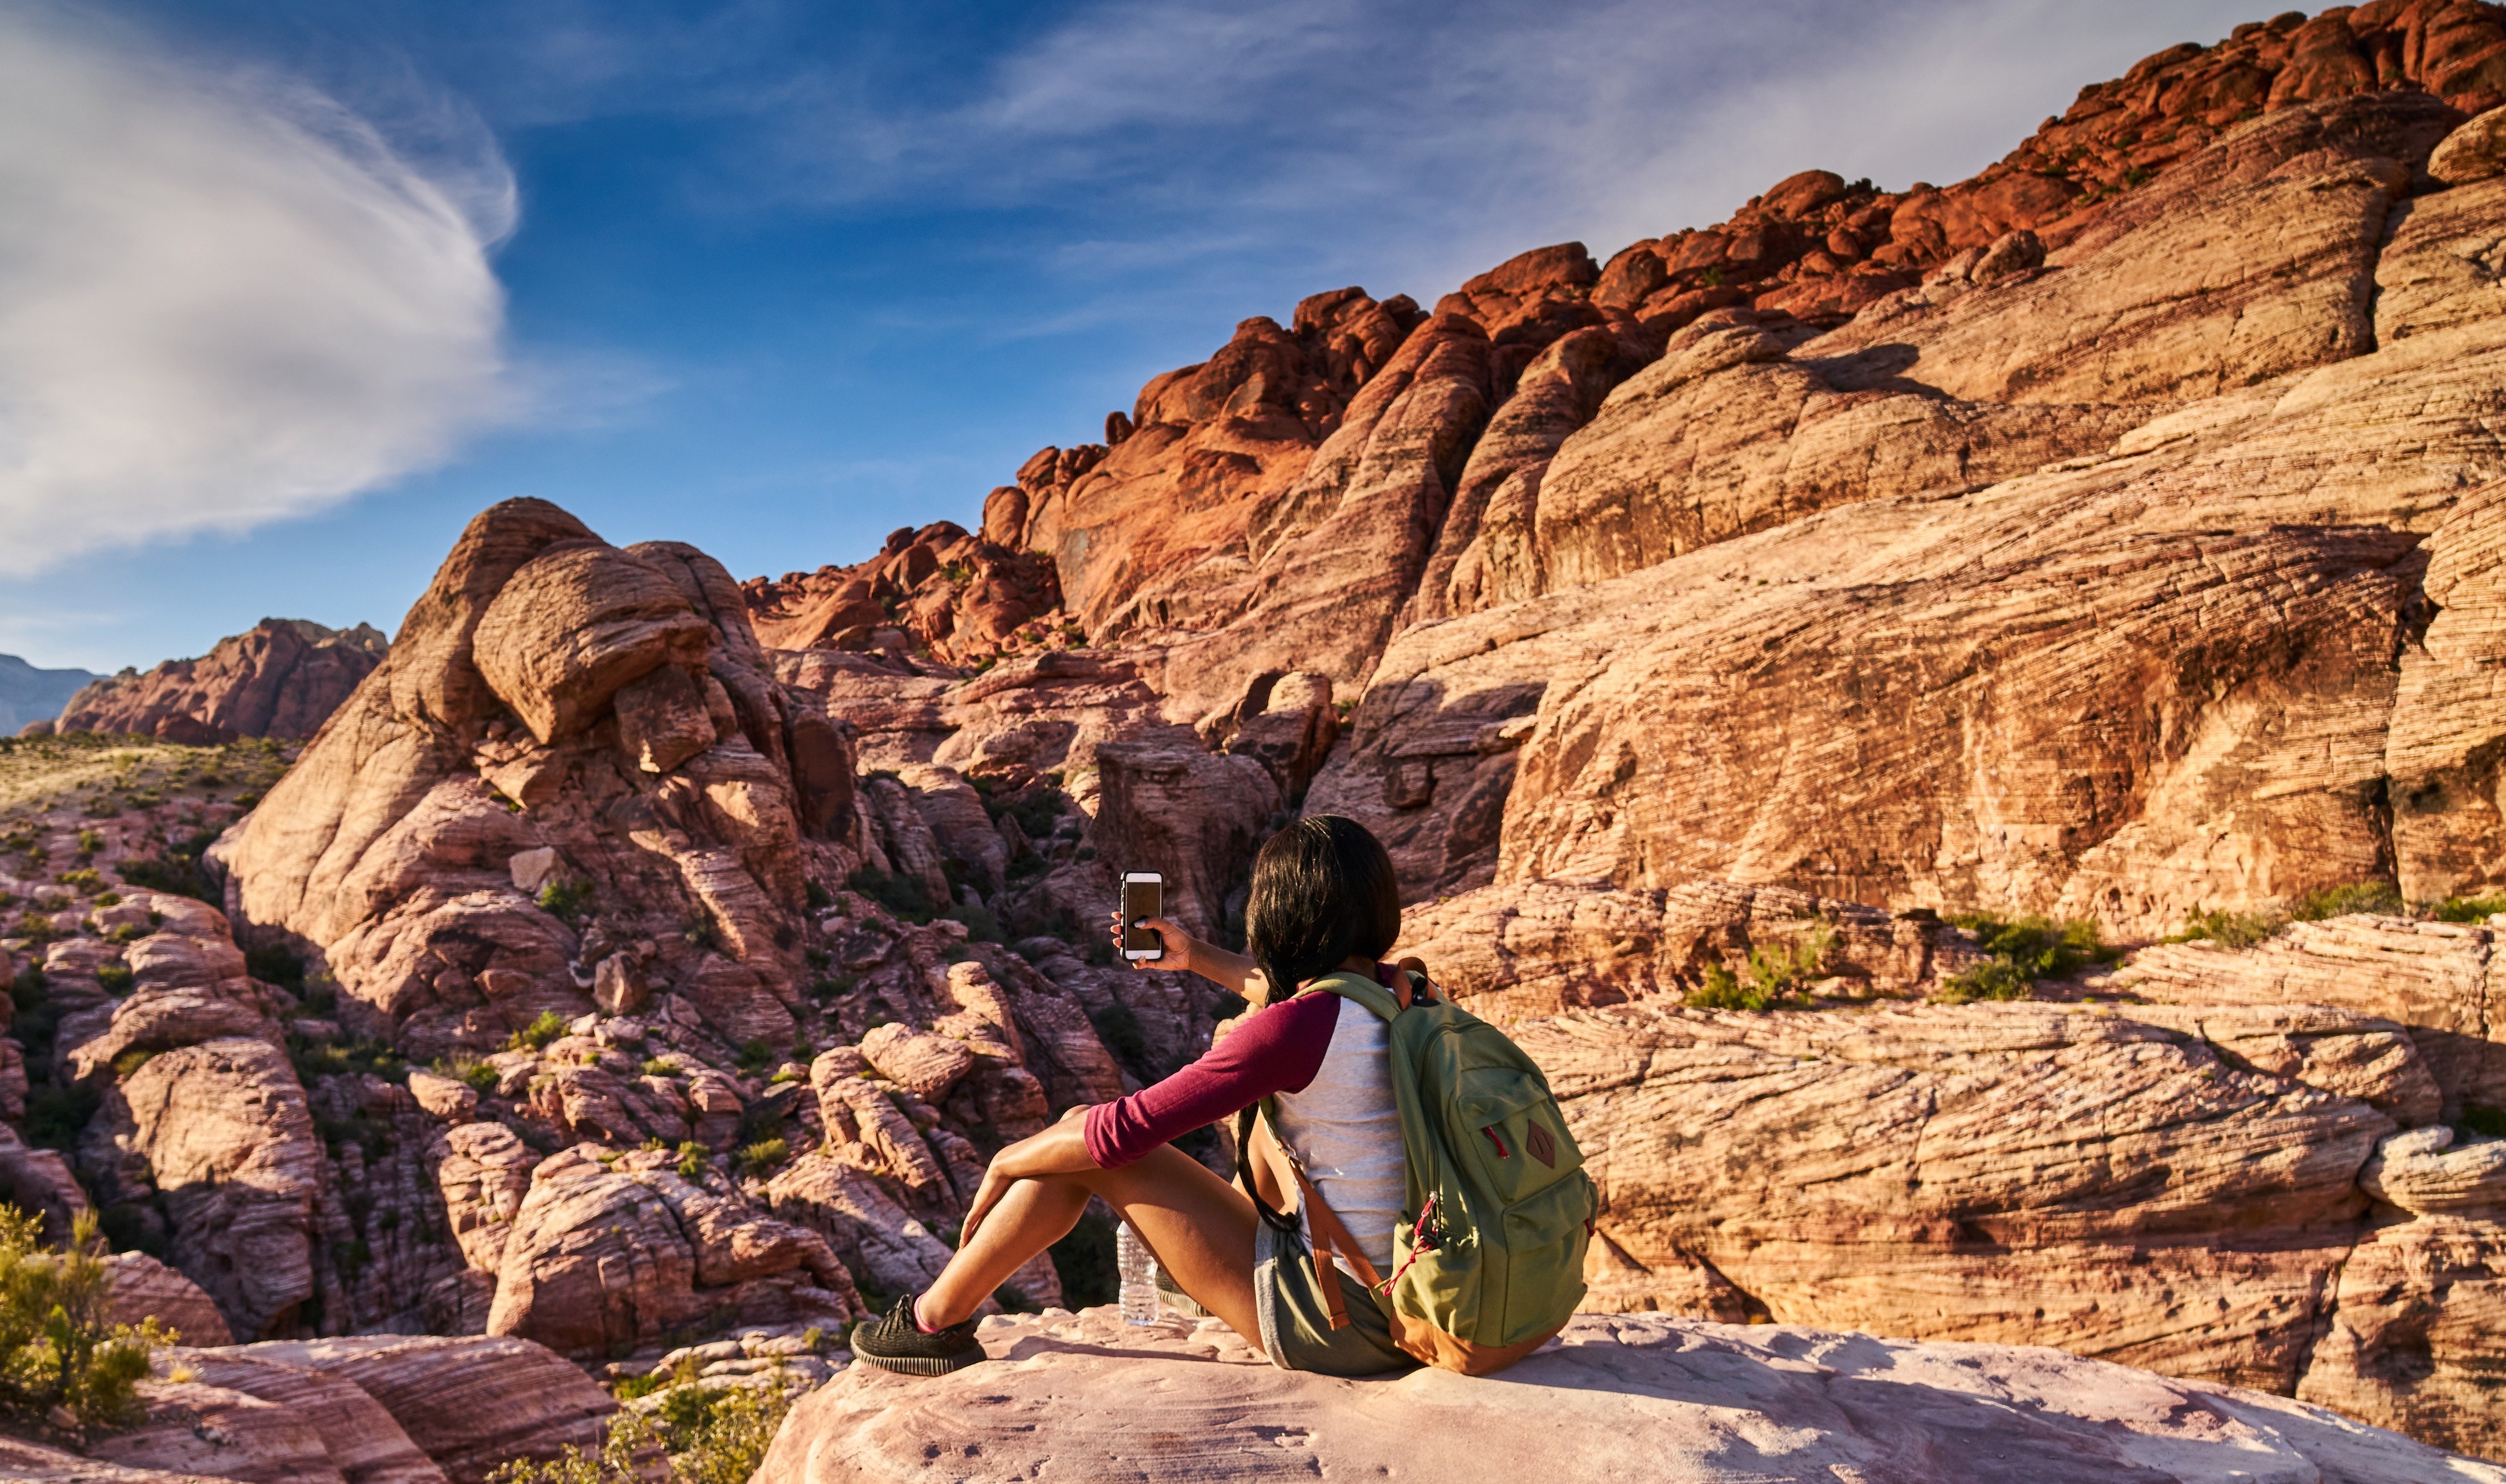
pixel 30 694
pixel 281 677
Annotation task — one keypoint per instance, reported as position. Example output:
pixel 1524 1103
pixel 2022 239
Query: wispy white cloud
pixel 1424 141
pixel 224 298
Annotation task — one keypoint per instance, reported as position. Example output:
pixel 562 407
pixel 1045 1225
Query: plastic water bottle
pixel 1139 1272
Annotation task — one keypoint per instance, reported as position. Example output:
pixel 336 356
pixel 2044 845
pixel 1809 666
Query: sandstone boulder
pixel 1616 1398
pixel 468 1405
pixel 144 1289
pixel 360 1438
pixel 1996 1173
pixel 219 1139
pixel 573 626
pixel 608 1250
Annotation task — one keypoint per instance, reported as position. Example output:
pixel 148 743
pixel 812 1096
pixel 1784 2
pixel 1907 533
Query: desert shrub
pixel 1996 978
pixel 2468 908
pixel 131 1061
pixel 481 1078
pixel 762 1156
pixel 659 1066
pixel 115 979
pixel 756 1055
pixel 1771 971
pixel 56 1112
pixel 2380 897
pixel 565 900
pixel 341 1058
pixel 2039 947
pixel 176 869
pixel 692 1160
pixel 538 1034
pixel 820 898
pixel 981 924
pixel 2023 950
pixel 87 883
pixel 906 896
pixel 59 1347
pixel 2488 1122
pixel 277 963
pixel 90 842
pixel 2230 929
pixel 1723 989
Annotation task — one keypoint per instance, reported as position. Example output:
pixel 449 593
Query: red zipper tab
pixel 1502 1153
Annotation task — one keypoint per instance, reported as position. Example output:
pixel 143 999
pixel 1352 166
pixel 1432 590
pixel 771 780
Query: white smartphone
pixel 1143 897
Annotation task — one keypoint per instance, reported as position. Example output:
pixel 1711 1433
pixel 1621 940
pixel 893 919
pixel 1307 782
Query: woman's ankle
pixel 923 1308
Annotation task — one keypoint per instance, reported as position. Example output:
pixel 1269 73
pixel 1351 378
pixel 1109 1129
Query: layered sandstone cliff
pixel 282 678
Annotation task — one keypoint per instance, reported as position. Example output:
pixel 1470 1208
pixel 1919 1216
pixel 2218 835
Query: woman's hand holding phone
pixel 1175 950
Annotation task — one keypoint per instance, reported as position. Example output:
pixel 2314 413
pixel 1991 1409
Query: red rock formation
pixel 283 678
pixel 1719 1404
pixel 965 600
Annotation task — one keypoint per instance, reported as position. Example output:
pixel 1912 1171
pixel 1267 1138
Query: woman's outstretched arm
pixel 1183 951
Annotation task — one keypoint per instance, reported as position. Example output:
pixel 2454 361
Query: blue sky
pixel 288 290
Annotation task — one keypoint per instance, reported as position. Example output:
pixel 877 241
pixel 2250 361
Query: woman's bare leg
pixel 1199 1226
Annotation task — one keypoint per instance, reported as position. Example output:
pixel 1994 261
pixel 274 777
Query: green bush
pixel 481 1078
pixel 115 979
pixel 1993 980
pixel 981 924
pixel 538 1034
pixel 2038 946
pixel 2488 1122
pixel 762 1156
pixel 659 1066
pixel 565 900
pixel 341 1058
pixel 709 1435
pixel 2023 950
pixel 86 883
pixel 1771 971
pixel 131 1061
pixel 277 963
pixel 56 1113
pixel 58 1346
pixel 692 1160
pixel 2378 897
pixel 2469 908
pixel 2230 929
pixel 906 896
pixel 1723 991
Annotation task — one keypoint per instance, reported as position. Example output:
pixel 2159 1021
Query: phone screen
pixel 1142 899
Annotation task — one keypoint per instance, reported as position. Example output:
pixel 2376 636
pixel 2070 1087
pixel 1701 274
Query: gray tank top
pixel 1346 1131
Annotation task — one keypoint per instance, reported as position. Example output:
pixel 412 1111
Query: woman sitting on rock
pixel 1324 901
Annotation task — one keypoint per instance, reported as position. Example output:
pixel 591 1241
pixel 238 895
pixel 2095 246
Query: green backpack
pixel 1488 1261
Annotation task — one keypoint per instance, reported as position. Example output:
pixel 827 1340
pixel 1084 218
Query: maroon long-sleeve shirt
pixel 1277 1048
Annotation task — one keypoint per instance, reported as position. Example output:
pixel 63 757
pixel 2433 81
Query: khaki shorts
pixel 1296 1326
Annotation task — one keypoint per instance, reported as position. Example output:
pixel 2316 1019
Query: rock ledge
pixel 1619 1397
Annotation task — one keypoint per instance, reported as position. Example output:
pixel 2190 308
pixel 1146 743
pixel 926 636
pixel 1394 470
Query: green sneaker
pixel 895 1342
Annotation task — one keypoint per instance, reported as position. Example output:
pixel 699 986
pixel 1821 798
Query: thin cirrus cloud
pixel 1426 141
pixel 224 298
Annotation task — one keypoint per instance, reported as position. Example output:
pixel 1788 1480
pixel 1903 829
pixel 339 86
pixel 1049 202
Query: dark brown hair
pixel 1323 892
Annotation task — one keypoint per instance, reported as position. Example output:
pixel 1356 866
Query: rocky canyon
pixel 1961 726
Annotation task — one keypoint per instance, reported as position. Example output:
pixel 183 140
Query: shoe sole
pixel 920 1366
